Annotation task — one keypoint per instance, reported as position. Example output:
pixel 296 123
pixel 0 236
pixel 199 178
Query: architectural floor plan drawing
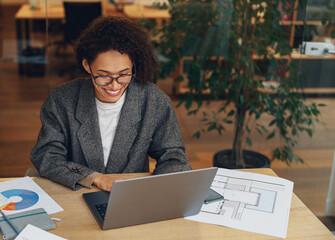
pixel 249 199
pixel 243 193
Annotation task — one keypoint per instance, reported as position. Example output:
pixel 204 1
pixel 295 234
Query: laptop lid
pixel 153 198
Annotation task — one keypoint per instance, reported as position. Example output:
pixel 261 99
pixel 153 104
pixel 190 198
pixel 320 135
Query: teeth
pixel 113 92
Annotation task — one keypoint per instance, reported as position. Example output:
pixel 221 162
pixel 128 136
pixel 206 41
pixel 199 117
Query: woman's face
pixel 113 64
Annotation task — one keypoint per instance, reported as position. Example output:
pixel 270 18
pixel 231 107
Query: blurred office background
pixel 36 56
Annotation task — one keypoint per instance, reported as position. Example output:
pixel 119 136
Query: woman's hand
pixel 104 182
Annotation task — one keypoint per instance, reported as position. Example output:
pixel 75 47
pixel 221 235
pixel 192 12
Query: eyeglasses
pixel 105 80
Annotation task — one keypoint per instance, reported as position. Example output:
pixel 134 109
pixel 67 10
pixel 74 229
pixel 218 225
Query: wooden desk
pixel 80 223
pixel 138 12
pixel 51 12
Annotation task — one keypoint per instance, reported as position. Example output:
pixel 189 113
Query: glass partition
pixel 23 84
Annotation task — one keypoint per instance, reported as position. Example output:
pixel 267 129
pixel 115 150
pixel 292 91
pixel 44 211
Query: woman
pixel 111 122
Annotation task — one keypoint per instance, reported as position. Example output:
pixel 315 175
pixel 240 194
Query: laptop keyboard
pixel 101 209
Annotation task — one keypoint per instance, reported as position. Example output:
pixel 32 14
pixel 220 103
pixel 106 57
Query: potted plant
pixel 238 51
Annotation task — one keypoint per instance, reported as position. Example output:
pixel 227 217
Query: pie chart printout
pixel 19 199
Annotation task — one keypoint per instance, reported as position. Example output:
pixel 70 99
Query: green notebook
pixel 37 217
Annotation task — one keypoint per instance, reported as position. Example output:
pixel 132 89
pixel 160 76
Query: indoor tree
pixel 228 43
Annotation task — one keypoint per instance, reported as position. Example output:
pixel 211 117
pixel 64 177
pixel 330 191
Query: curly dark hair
pixel 122 35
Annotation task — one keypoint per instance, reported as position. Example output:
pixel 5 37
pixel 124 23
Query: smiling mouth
pixel 113 93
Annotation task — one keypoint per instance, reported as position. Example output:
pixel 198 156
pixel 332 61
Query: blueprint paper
pixel 23 194
pixel 252 202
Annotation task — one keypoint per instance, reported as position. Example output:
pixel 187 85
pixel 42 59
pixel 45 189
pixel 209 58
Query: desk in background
pixel 80 223
pixel 25 15
pixel 135 11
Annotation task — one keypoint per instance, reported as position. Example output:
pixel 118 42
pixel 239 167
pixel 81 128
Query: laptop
pixel 150 199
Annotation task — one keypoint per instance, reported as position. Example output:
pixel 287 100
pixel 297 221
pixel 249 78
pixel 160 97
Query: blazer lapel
pixel 126 130
pixel 89 131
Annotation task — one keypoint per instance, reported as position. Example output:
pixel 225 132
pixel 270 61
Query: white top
pixel 108 115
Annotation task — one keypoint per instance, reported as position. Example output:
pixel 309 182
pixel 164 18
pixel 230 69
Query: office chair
pixel 78 15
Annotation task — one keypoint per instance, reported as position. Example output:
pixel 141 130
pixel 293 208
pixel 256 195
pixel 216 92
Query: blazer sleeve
pixel 167 146
pixel 50 155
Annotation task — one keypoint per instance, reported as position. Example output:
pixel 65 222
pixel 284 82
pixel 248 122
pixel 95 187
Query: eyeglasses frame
pixel 113 78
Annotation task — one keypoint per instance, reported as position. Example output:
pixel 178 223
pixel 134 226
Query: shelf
pixel 298 56
pixel 294 55
pixel 301 23
pixel 180 90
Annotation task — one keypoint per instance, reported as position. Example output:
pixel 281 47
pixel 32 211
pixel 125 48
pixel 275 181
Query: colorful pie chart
pixel 26 199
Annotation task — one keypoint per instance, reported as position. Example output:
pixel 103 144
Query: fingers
pixel 105 182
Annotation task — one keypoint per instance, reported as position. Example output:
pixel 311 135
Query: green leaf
pixel 264 129
pixel 222 109
pixel 315 112
pixel 290 156
pixel 271 135
pixel 231 113
pixel 272 122
pixel 188 103
pixel 332 34
pixel 196 135
pixel 180 103
pixel 211 127
pixel 248 129
pixel 199 103
pixel 249 142
pixel 294 131
pixel 324 20
pixel 194 112
pixel 241 99
pixel 309 131
pixel 259 131
pixel 179 79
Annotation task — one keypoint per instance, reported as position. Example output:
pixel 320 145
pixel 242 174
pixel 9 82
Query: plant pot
pixel 222 159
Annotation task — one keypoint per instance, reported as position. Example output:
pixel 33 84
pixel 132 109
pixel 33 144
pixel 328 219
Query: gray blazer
pixel 69 145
